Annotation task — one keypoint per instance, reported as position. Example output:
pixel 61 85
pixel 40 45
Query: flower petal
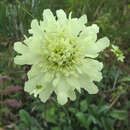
pixel 90 33
pixel 72 81
pixel 88 85
pixel 91 88
pixel 102 44
pixel 83 20
pixel 22 60
pixel 26 59
pixel 46 92
pixel 34 71
pixel 63 91
pixel 92 69
pixel 48 16
pixel 49 23
pixel 61 16
pixel 31 84
pixel 35 28
pixel 20 48
pixel 93 49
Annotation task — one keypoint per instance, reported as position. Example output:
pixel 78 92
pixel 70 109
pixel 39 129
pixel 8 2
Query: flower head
pixel 118 53
pixel 61 52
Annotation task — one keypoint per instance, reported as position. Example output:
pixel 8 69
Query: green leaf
pixel 103 108
pixel 35 123
pixel 50 115
pixel 83 105
pixel 82 118
pixel 72 110
pixel 21 126
pixel 25 117
pixel 95 128
pixel 93 119
pixel 34 128
pixel 104 123
pixel 107 123
pixel 126 79
pixel 55 128
pixel 119 114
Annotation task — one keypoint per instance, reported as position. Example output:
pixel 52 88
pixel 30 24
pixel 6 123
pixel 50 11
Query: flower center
pixel 62 55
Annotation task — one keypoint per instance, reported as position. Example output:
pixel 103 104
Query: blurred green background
pixel 108 110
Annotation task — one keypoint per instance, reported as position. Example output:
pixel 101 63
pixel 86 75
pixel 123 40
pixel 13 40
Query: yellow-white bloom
pixel 61 52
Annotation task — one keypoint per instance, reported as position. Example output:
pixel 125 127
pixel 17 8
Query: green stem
pixel 116 78
pixel 114 101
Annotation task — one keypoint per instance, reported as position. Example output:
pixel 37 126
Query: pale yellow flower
pixel 61 52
